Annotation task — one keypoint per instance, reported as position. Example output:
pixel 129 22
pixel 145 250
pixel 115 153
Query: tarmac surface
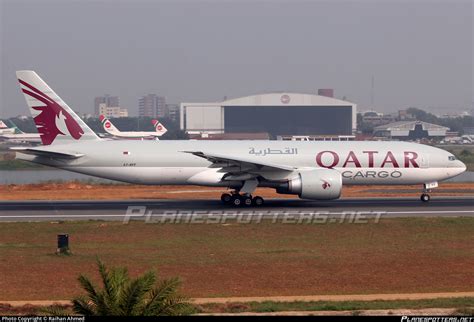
pixel 343 209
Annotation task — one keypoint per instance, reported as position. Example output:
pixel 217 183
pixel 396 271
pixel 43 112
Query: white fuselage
pixel 135 135
pixel 166 162
pixel 7 130
pixel 21 137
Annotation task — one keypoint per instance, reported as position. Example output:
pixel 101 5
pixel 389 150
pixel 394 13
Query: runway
pixel 12 211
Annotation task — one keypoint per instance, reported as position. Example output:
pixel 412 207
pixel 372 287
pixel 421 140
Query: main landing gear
pixel 235 199
pixel 243 196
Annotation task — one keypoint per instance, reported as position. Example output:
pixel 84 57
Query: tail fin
pixel 160 128
pixel 55 120
pixel 108 126
pixel 3 125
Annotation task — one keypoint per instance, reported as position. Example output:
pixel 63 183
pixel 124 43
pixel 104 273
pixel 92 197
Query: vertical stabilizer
pixel 55 120
pixel 108 126
pixel 160 128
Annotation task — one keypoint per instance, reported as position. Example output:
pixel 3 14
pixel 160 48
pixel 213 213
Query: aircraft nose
pixel 462 167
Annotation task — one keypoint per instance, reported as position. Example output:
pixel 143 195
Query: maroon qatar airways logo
pixel 325 184
pixel 53 120
pixel 331 159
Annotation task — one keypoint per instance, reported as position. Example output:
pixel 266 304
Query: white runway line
pixel 271 213
pixel 66 216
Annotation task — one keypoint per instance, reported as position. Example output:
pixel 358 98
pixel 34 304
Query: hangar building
pixel 411 130
pixel 278 114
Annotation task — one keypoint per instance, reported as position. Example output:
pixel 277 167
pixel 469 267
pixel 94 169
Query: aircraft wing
pixel 238 168
pixel 46 153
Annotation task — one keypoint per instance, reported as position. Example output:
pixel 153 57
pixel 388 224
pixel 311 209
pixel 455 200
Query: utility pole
pixel 372 87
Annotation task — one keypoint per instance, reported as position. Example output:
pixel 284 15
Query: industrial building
pixel 411 130
pixel 278 114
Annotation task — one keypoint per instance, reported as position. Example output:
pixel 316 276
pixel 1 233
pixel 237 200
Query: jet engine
pixel 319 184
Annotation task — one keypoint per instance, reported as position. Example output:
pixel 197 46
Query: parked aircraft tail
pixel 108 126
pixel 55 120
pixel 160 128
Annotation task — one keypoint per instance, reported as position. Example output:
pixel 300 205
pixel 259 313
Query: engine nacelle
pixel 319 184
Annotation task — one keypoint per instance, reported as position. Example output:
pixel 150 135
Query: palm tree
pixel 121 295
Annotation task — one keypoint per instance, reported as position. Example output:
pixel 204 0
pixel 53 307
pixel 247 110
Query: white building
pixel 411 130
pixel 279 114
pixel 112 111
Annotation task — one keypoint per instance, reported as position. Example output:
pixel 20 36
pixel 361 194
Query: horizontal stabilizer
pixel 48 154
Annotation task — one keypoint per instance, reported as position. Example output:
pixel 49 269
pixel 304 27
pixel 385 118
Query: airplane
pixel 315 170
pixel 15 135
pixel 4 129
pixel 111 129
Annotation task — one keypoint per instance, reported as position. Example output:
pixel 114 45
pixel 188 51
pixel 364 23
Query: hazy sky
pixel 420 52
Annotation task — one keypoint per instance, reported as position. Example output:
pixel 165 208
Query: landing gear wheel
pixel 246 201
pixel 236 201
pixel 257 201
pixel 425 197
pixel 226 198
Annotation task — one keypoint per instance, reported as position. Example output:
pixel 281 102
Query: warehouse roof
pixel 285 98
pixel 279 99
pixel 409 126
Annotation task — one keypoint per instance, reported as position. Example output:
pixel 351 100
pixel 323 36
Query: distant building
pixel 107 100
pixel 230 136
pixel 375 118
pixel 411 130
pixel 403 115
pixel 152 105
pixel 172 112
pixel 469 130
pixel 328 92
pixel 112 111
pixel 454 115
pixel 317 138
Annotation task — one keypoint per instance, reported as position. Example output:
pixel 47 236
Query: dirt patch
pixel 80 191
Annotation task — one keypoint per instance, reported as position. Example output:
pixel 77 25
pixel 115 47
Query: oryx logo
pixel 325 184
pixel 107 124
pixel 159 127
pixel 53 120
pixel 285 99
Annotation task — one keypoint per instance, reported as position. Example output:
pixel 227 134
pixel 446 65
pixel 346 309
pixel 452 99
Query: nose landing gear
pixel 425 197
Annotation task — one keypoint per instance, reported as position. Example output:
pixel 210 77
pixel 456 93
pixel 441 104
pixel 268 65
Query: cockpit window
pixel 452 158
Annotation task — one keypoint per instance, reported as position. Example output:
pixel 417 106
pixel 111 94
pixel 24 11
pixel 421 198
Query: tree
pixel 123 296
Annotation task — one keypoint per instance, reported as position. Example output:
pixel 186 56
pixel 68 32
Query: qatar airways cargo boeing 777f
pixel 311 170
